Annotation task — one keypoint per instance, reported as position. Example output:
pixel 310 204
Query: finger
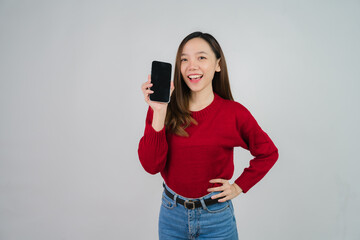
pixel 147 99
pixel 216 189
pixel 218 180
pixel 147 95
pixel 146 87
pixel 224 199
pixel 143 86
pixel 146 84
pixel 222 194
pixel 149 92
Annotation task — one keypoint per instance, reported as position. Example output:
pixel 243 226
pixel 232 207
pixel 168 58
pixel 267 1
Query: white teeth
pixel 195 76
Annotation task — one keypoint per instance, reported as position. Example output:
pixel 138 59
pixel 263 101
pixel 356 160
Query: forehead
pixel 196 45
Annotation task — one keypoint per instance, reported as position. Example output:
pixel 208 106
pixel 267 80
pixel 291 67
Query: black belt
pixel 190 204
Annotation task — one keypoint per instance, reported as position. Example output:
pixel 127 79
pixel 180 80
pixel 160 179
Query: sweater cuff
pixel 243 183
pixel 153 136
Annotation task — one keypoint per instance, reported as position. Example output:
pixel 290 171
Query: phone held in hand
pixel 161 79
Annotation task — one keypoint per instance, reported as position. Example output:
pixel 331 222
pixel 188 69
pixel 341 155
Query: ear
pixel 218 69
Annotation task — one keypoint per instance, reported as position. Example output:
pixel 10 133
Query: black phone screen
pixel 160 78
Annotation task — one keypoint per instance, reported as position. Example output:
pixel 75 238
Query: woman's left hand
pixel 228 191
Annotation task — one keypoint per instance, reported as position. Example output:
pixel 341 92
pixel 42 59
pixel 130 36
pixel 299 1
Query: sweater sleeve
pixel 153 147
pixel 260 146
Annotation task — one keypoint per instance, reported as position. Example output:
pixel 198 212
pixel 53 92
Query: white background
pixel 72 113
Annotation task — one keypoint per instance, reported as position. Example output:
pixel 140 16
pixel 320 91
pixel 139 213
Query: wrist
pixel 237 188
pixel 159 107
pixel 158 121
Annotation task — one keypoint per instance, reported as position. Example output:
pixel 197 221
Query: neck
pixel 200 100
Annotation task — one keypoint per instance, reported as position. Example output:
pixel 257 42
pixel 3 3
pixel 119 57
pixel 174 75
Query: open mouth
pixel 195 77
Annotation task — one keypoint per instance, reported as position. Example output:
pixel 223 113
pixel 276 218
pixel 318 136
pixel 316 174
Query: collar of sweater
pixel 198 115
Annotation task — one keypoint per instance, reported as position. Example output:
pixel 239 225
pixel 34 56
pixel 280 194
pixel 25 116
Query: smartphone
pixel 161 79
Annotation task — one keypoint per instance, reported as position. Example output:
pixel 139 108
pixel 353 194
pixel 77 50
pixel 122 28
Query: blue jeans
pixel 216 221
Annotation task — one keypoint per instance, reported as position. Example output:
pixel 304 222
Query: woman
pixel 190 142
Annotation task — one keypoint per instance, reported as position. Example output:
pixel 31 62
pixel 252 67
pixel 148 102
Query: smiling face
pixel 198 65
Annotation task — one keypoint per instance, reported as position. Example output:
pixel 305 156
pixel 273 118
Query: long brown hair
pixel 178 116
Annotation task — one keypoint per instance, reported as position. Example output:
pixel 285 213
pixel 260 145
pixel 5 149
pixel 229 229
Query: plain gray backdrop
pixel 72 113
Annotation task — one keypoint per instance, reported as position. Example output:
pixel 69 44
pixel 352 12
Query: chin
pixel 196 89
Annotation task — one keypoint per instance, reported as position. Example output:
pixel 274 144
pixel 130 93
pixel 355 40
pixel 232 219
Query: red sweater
pixel 188 163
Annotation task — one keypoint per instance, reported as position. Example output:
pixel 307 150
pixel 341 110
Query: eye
pixel 183 60
pixel 202 57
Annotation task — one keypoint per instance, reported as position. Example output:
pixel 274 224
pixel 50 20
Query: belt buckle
pixel 190 202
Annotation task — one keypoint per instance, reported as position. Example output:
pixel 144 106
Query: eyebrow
pixel 201 52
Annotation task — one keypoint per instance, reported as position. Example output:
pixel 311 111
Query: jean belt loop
pixel 203 203
pixel 175 197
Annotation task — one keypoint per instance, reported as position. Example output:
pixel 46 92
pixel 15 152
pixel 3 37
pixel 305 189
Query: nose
pixel 193 65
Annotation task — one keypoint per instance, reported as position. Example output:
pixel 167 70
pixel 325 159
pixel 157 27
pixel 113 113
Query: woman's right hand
pixel 156 106
pixel 159 108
